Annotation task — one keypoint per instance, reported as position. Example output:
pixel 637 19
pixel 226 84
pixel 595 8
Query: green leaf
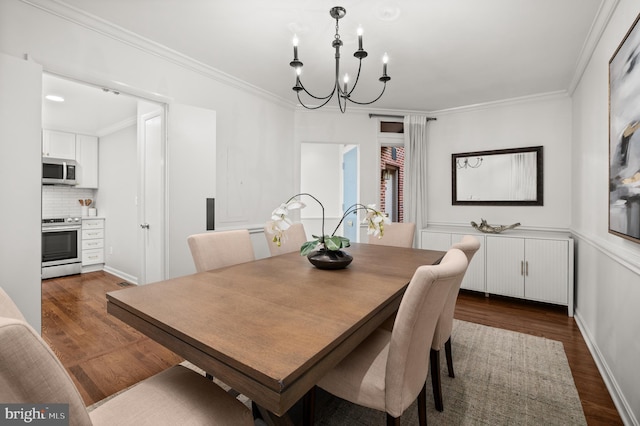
pixel 345 242
pixel 308 247
pixel 336 242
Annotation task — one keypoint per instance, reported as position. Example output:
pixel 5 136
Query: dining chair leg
pixel 255 410
pixel 447 353
pixel 309 407
pixel 422 406
pixel 392 421
pixel 435 379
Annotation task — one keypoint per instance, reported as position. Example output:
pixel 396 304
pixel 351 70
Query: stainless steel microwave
pixel 58 171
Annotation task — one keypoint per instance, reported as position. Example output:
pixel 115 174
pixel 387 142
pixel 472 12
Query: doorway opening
pixel 110 173
pixel 337 187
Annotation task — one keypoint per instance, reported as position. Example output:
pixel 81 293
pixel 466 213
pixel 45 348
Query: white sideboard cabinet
pixel 532 265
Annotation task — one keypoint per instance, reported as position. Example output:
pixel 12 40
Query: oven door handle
pixel 61 228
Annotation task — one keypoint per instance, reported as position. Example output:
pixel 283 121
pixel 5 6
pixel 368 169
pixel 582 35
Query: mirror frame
pixel 539 201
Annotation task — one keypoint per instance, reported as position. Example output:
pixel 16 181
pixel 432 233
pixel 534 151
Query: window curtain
pixel 415 177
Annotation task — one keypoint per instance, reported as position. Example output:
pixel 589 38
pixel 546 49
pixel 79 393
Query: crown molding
pixel 607 7
pixel 127 122
pixel 560 94
pixel 115 32
pixel 504 102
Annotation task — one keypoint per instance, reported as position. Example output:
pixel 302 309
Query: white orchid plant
pixel 280 222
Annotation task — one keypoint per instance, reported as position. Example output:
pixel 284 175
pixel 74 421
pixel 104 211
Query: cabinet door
pixel 505 266
pixel 547 270
pixel 435 240
pixel 58 145
pixel 474 277
pixel 87 159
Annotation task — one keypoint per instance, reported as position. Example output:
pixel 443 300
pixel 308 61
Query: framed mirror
pixel 503 177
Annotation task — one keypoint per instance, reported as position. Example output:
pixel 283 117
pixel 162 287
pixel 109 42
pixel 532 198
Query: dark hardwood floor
pixel 103 355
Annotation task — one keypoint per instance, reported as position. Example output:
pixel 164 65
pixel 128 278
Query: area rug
pixel 502 378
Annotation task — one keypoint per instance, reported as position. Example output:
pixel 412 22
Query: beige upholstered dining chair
pixel 213 250
pixel 292 240
pixel 388 370
pixel 398 234
pixel 30 373
pixel 469 245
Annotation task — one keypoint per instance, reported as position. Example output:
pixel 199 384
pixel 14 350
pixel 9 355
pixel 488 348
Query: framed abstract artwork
pixel 624 137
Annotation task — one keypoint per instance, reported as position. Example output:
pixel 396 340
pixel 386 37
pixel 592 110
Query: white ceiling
pixel 86 109
pixel 443 53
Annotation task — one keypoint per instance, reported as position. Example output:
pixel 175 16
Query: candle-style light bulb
pixel 295 47
pixel 346 80
pixel 385 59
pixel 359 38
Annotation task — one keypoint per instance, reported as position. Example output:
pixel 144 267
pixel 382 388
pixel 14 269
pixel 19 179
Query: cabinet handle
pixel 522 267
pixel 526 270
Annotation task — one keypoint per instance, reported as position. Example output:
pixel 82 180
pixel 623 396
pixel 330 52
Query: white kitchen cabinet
pixel 532 265
pixel 87 161
pixel 474 277
pixel 57 144
pixel 92 244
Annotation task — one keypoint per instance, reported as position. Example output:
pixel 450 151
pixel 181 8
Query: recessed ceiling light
pixel 54 98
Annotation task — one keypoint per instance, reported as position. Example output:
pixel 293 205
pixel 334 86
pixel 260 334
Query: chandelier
pixel 465 163
pixel 343 93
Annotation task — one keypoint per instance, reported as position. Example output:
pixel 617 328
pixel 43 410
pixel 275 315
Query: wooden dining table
pixel 273 327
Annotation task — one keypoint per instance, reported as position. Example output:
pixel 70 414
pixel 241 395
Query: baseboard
pixel 120 274
pixel 617 396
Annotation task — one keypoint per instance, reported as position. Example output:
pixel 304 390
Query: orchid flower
pixel 280 222
pixel 375 221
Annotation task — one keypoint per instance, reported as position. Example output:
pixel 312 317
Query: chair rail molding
pixel 625 257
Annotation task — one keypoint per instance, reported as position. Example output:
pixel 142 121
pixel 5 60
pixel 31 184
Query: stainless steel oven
pixel 61 247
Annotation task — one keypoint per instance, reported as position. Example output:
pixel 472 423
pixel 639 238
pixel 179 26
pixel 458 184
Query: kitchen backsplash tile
pixel 62 201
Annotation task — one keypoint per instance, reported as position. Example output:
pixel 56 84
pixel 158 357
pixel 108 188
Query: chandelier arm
pixel 329 96
pixel 355 83
pixel 369 103
pixel 316 107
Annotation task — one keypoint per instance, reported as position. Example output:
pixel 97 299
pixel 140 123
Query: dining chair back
pixel 469 245
pixel 398 234
pixel 291 241
pixel 213 250
pixel 388 371
pixel 30 373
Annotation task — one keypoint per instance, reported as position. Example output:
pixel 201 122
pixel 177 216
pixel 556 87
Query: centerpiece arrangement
pixel 324 251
